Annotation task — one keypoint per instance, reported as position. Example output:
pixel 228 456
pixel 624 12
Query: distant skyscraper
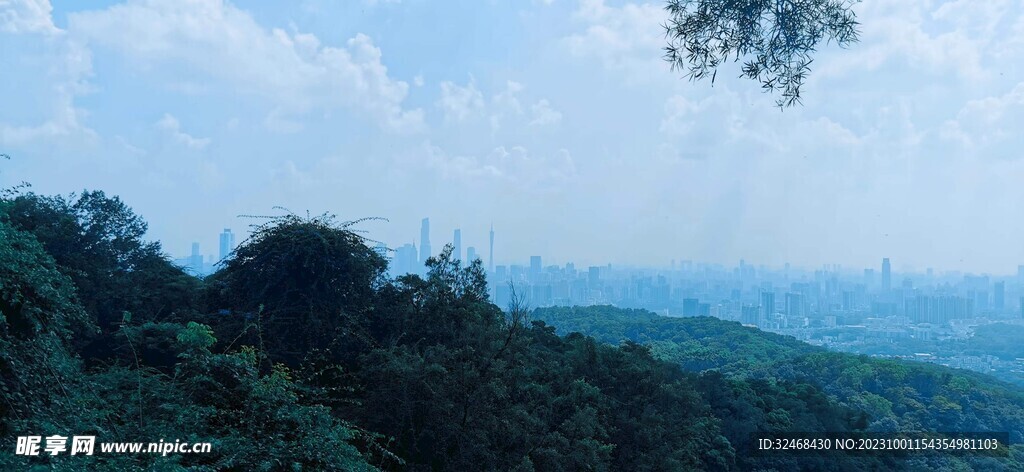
pixel 458 245
pixel 886 275
pixel 535 267
pixel 195 260
pixel 703 309
pixel 690 306
pixel 490 257
pixel 424 240
pixel 749 315
pixel 767 305
pixel 999 297
pixel 227 243
pixel 593 276
pixel 470 255
pixel 794 304
pixel 405 261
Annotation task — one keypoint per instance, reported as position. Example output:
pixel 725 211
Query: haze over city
pixel 534 235
pixel 557 121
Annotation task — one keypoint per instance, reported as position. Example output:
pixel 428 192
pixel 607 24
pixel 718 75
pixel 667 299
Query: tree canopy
pixel 300 354
pixel 775 39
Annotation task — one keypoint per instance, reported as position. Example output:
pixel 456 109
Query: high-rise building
pixel 869 278
pixel 849 300
pixel 406 260
pixel 767 305
pixel 703 309
pixel 999 296
pixel 593 276
pixel 424 240
pixel 470 255
pixel 457 255
pixel 981 299
pixel 535 267
pixel 938 309
pixel 690 306
pixel 195 260
pixel 490 256
pixel 886 275
pixel 794 304
pixel 227 243
pixel 749 315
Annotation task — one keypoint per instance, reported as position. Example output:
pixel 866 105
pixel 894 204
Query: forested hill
pixel 898 395
pixel 300 353
pixel 701 343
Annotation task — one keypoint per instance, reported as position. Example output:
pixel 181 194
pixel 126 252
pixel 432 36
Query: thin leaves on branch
pixel 11 192
pixel 324 220
pixel 775 39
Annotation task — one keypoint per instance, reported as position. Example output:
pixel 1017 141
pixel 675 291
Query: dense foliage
pixel 894 395
pixel 776 39
pixel 299 354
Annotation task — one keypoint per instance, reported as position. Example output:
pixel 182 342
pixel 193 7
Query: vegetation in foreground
pixel 301 354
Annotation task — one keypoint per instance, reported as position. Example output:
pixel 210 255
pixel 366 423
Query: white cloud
pixel 27 16
pixel 172 127
pixel 942 38
pixel 459 103
pixel 503 109
pixel 507 100
pixel 64 123
pixel 64 68
pixel 989 127
pixel 295 71
pixel 544 115
pixel 511 165
pixel 629 38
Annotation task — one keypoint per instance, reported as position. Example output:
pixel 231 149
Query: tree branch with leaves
pixel 776 39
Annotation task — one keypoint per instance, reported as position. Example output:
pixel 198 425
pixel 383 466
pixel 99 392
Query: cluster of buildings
pixel 773 299
pixel 845 309
pixel 408 259
pixel 776 299
pixel 201 265
pixel 770 298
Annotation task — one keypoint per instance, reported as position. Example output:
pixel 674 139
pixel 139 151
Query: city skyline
pixel 904 146
pixel 883 265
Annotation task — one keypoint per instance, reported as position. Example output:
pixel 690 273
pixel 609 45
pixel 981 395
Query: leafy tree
pixel 775 38
pixel 97 241
pixel 299 285
pixel 38 315
pixel 325 364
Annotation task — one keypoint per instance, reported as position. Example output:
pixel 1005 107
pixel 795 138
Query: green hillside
pixel 301 354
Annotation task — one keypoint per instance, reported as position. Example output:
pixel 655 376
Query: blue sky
pixel 555 120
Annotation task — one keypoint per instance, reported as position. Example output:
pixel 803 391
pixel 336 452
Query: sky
pixel 556 121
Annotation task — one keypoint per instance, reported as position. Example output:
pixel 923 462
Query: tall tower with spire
pixel 424 240
pixel 490 257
